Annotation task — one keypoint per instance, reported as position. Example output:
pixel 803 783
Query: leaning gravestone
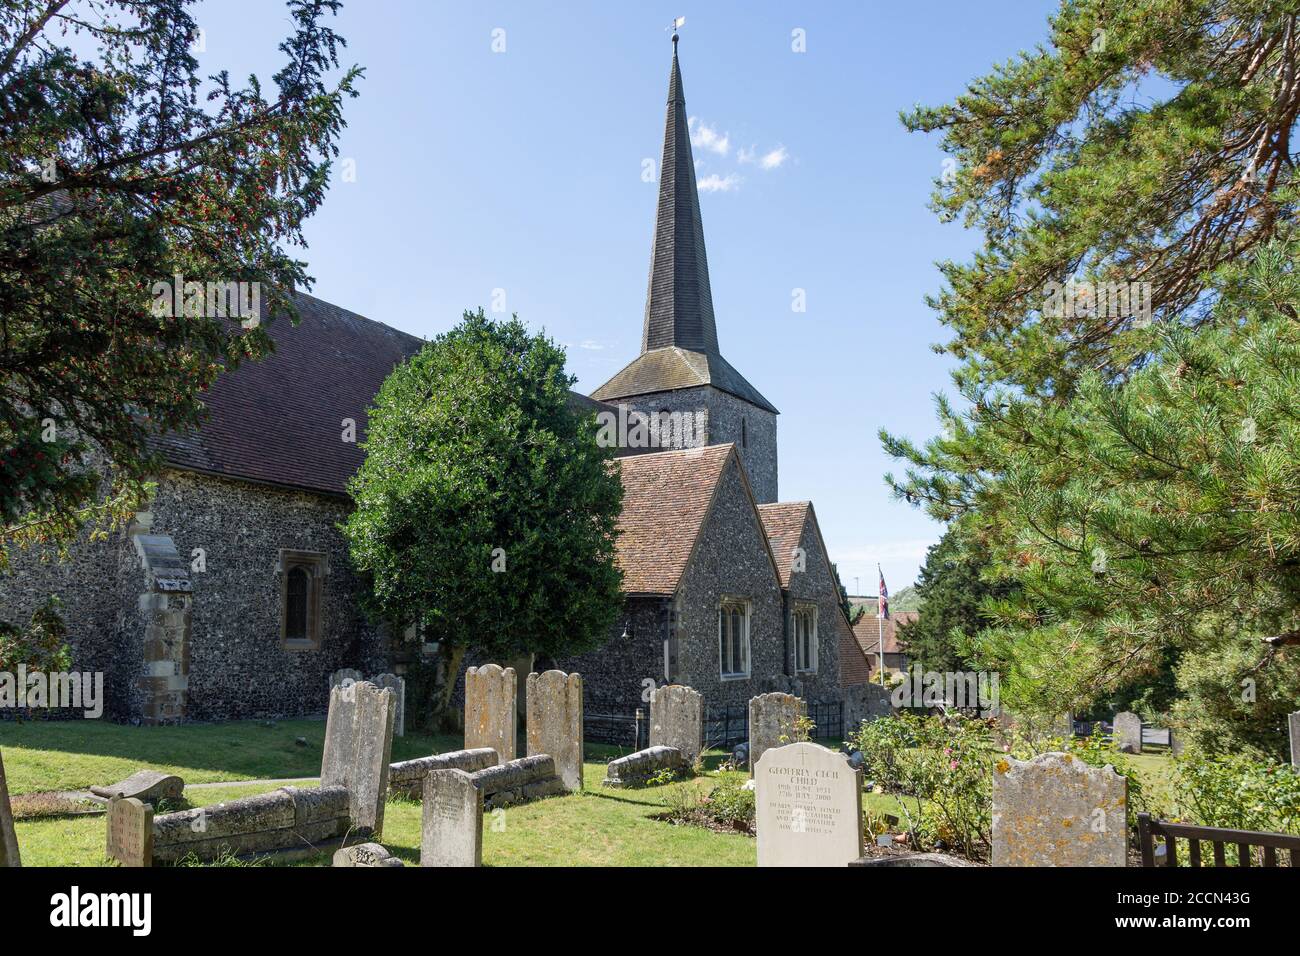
pixel 1055 810
pixel 130 832
pixel 452 823
pixel 149 786
pixel 365 854
pixel 554 710
pixel 772 720
pixel 358 748
pixel 9 855
pixel 677 720
pixel 1293 725
pixel 398 686
pixel 808 807
pixel 1128 732
pixel 490 708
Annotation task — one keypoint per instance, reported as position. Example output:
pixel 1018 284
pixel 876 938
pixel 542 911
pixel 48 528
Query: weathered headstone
pixel 9 855
pixel 365 854
pixel 638 768
pixel 1055 810
pixel 1293 726
pixel 772 720
pixel 147 785
pixel 358 747
pixel 398 686
pixel 130 832
pixel 343 674
pixel 808 807
pixel 490 706
pixel 677 720
pixel 1176 742
pixel 452 824
pixel 554 709
pixel 1128 732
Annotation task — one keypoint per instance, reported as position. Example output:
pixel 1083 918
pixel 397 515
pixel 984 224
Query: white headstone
pixel 808 803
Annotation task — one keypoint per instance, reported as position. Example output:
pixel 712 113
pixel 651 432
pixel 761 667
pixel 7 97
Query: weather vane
pixel 677 24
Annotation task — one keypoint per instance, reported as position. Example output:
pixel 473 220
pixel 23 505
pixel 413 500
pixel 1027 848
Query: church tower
pixel 680 369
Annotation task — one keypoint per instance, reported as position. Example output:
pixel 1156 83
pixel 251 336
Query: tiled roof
pixel 867 630
pixel 279 420
pixel 666 497
pixel 669 369
pixel 854 666
pixel 783 522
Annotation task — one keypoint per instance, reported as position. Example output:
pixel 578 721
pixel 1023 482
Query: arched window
pixel 297 594
pixel 733 639
pixel 302 580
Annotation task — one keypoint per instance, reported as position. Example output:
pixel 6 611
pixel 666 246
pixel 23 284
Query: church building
pixel 232 596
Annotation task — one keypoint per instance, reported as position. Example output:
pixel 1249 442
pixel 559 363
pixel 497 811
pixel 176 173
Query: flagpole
pixel 880 626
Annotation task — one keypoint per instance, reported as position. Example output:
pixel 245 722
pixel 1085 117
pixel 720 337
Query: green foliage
pixel 1131 471
pixel 121 168
pixel 485 510
pixel 1239 792
pixel 949 593
pixel 728 806
pixel 40 646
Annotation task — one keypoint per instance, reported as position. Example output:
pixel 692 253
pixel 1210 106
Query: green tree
pixel 120 169
pixel 485 509
pixel 1116 173
pixel 950 593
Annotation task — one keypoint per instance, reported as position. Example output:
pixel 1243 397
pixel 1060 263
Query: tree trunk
pixel 449 661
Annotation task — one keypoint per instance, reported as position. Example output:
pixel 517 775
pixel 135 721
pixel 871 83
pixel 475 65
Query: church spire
pixel 679 302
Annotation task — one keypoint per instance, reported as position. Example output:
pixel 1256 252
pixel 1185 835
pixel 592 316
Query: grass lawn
pixel 599 827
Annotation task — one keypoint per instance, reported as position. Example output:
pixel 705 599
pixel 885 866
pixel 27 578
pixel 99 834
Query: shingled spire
pixel 679 303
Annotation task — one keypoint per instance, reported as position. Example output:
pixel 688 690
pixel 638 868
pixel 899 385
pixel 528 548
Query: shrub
pixel 1238 791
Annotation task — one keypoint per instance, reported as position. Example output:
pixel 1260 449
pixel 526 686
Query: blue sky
pixel 522 171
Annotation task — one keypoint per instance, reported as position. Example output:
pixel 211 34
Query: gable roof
pixel 868 631
pixel 279 420
pixel 783 522
pixel 671 368
pixel 666 497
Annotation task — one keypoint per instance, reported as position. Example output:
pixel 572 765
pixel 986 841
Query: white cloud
pixel 704 136
pixel 591 345
pixel 774 158
pixel 713 183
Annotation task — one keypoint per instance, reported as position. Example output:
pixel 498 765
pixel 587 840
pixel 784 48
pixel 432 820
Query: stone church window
pixel 302 576
pixel 733 638
pixel 805 639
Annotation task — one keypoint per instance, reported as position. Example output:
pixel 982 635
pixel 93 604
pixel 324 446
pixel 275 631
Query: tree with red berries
pixel 124 171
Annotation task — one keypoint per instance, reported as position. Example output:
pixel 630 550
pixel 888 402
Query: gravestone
pixel 677 720
pixel 149 786
pixel 398 686
pixel 345 674
pixel 639 768
pixel 1176 745
pixel 452 820
pixel 130 832
pixel 1128 732
pixel 1293 725
pixel 554 709
pixel 365 854
pixel 490 707
pixel 808 807
pixel 9 855
pixel 772 719
pixel 1055 810
pixel 358 747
